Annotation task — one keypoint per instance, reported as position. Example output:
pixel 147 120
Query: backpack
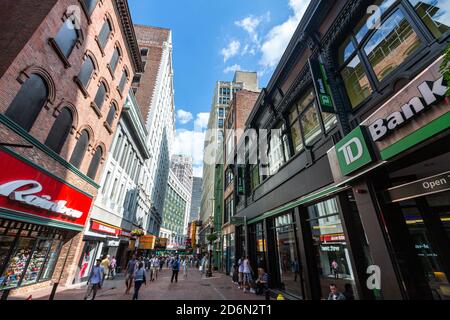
pixel 175 265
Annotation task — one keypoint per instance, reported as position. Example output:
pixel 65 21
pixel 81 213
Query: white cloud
pixel 184 116
pixel 190 143
pixel 233 68
pixel 201 122
pixel 278 38
pixel 231 50
pixel 250 24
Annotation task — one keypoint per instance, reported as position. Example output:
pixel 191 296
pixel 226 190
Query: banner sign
pixel 321 86
pixel 147 242
pixel 24 188
pixel 427 186
pixel 104 228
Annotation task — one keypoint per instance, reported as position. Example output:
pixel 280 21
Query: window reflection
pixel 435 14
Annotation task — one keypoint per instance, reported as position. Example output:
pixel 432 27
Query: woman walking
pixel 185 268
pixel 139 279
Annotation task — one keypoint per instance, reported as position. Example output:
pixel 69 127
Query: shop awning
pixel 322 193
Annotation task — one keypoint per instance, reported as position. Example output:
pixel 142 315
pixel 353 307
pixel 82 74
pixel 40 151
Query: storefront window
pixel 87 258
pixel 435 14
pixel 356 81
pixel 330 246
pixel 261 247
pixel 291 274
pixel 277 151
pixel 26 253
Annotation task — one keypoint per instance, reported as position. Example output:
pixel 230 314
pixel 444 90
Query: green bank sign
pixel 353 152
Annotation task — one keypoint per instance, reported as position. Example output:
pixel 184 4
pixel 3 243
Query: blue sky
pixel 211 39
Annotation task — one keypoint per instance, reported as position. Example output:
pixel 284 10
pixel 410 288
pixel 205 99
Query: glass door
pixel 428 222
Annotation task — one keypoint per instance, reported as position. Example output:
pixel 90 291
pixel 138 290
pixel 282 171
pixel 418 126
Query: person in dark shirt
pixel 348 293
pixel 262 283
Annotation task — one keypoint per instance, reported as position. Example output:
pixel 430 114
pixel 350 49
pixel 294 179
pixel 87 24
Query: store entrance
pixel 428 222
pixel 417 213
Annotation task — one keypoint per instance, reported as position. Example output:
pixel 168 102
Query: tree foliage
pixel 445 67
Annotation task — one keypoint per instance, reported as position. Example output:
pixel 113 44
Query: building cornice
pixel 123 11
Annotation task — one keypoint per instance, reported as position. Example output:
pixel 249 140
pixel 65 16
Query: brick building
pixel 240 107
pixel 65 71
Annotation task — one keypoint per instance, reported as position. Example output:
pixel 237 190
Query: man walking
pixel 154 266
pixel 129 274
pixel 185 268
pixel 139 279
pixel 95 280
pixel 175 269
pixel 105 265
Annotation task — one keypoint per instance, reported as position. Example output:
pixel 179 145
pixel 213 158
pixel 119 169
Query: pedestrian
pixel 105 265
pixel 241 273
pixel 335 294
pixel 139 279
pixel 154 266
pixel 129 274
pixel 235 272
pixel 335 269
pixel 95 280
pixel 185 268
pixel 112 268
pixel 161 264
pixel 175 269
pixel 248 278
pixel 262 283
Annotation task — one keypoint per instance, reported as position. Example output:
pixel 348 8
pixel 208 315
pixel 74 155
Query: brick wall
pixel 35 53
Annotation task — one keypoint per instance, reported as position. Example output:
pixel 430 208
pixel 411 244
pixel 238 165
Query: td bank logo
pixel 353 152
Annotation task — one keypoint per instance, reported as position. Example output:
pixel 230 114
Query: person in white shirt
pixel 185 268
pixel 154 266
pixel 241 273
pixel 247 270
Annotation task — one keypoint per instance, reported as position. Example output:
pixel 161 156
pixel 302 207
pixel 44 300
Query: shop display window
pixel 23 258
pixel 290 269
pixel 330 247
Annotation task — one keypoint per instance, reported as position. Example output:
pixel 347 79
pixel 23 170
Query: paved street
pixel 194 287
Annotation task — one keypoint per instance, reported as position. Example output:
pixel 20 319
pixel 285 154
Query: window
pixel 291 273
pixel 67 37
pixel 27 104
pixel 59 131
pixel 144 52
pixel 229 176
pixel 277 149
pixel 93 167
pixel 87 69
pixel 137 79
pixel 100 96
pixel 221 113
pixel 255 178
pixel 80 149
pixel 111 115
pixel 435 14
pixel 386 47
pixel 304 121
pixel 90 6
pixel 220 123
pixel 117 147
pixel 123 81
pixel 104 34
pixel 114 60
pixel 229 209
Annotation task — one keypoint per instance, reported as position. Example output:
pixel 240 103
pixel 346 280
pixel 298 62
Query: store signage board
pixel 23 188
pixel 428 186
pixel 103 228
pixel 147 242
pixel 321 86
pixel 353 152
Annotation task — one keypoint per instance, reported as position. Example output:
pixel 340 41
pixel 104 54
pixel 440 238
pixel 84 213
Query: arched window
pixel 67 37
pixel 95 163
pixel 104 34
pixel 60 130
pixel 90 6
pixel 28 102
pixel 100 96
pixel 123 80
pixel 111 114
pixel 80 149
pixel 87 69
pixel 114 60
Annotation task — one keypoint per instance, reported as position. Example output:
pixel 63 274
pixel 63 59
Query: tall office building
pixel 196 199
pixel 211 202
pixel 182 168
pixel 155 96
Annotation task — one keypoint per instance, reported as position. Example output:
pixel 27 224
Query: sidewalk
pixel 219 287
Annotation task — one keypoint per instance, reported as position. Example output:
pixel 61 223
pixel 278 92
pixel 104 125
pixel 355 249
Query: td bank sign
pixel 354 151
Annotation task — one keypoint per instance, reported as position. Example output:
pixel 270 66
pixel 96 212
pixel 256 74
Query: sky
pixel 211 40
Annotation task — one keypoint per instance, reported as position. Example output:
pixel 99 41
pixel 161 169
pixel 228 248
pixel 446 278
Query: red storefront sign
pixel 25 189
pixel 332 238
pixel 104 228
